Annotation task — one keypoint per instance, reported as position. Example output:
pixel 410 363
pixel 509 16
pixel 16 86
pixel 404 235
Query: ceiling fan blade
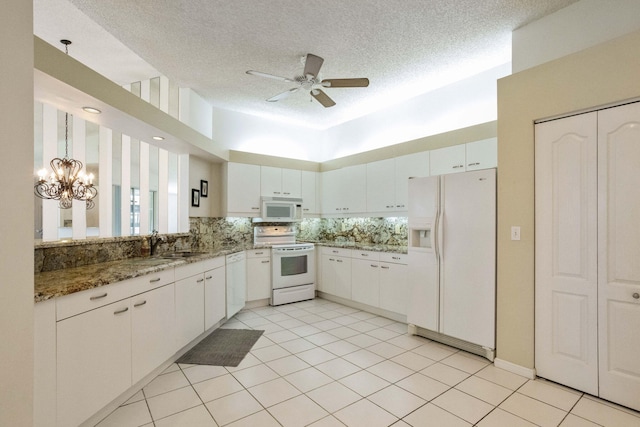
pixel 269 76
pixel 363 82
pixel 322 98
pixel 283 95
pixel 312 65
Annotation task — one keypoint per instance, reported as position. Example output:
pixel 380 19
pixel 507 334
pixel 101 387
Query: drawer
pixel 213 263
pixel 259 253
pixel 189 270
pixel 394 258
pixel 336 251
pixel 151 281
pixel 80 302
pixel 373 256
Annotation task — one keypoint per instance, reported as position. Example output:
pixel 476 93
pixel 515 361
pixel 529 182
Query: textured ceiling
pixel 404 47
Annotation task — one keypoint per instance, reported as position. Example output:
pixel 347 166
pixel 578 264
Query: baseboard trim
pixel 516 369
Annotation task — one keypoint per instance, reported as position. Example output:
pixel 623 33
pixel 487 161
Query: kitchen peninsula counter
pixel 52 284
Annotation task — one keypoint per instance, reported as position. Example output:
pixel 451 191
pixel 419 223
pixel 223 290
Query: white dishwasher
pixel 236 282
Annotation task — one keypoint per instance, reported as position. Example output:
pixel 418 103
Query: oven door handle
pixel 296 251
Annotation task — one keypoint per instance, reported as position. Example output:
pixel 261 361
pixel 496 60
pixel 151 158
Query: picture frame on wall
pixel 204 188
pixel 195 197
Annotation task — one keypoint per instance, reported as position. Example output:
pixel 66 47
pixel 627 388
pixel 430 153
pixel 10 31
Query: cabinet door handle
pixel 199 280
pixel 458 166
pixel 364 254
pixel 395 257
pixel 259 253
pixel 276 192
pixel 140 304
pixel 97 297
pixel 286 193
pixel 339 260
pixel 121 311
pixel 474 164
pixel 255 209
pixel 157 279
pixel 209 277
pixel 374 266
pixel 331 259
pixel 636 295
pixel 385 267
pixel 265 262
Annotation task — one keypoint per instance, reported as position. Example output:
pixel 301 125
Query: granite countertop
pixel 57 283
pixel 373 247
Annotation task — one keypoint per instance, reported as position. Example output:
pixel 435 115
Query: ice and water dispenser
pixel 420 237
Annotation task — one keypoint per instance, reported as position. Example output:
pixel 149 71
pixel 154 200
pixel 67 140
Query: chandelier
pixel 67 181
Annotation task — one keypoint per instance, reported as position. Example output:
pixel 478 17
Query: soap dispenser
pixel 145 249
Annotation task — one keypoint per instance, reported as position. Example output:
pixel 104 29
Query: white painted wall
pixel 466 103
pixel 244 132
pixel 195 112
pixel 16 227
pixel 201 170
pixel 572 29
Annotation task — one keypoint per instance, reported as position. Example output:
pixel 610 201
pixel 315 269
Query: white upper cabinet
pixel 381 186
pixel 448 160
pixel 344 191
pixel 482 154
pixel 278 182
pixel 309 192
pixel 242 189
pixel 409 166
pixel 475 155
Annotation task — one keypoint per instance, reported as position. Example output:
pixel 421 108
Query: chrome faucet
pixel 155 240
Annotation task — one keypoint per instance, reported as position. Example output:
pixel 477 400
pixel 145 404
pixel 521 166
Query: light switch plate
pixel 515 232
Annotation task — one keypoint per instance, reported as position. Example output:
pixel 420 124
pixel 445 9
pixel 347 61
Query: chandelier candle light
pixel 67 181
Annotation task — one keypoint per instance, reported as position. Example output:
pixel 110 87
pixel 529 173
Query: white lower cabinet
pixel 189 309
pixel 365 278
pixel 93 361
pixel 394 286
pixel 258 274
pixel 214 294
pixel 152 330
pixel 336 272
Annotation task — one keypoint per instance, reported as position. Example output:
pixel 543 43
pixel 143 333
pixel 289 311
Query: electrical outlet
pixel 515 232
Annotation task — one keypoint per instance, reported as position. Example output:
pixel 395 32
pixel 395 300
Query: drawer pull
pixel 97 297
pixel 265 262
pixel 255 209
pixel 121 311
pixel 335 252
pixel 364 254
pixel 374 266
pixel 140 304
pixel 200 280
pixel 385 267
pixel 259 253
pixel 339 260
pixel 395 257
pixel 209 277
pixel 157 279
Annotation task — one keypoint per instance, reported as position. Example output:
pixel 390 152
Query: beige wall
pixel 602 75
pixel 16 211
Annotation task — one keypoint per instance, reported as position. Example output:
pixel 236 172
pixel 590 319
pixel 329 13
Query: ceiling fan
pixel 309 81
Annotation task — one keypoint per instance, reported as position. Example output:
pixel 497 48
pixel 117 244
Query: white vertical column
pixel 79 209
pixel 49 151
pixel 145 90
pixel 163 190
pixel 125 186
pixel 184 193
pixel 164 94
pixel 105 186
pixel 144 188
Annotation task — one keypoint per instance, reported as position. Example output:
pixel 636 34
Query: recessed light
pixel 91 110
pixel 158 138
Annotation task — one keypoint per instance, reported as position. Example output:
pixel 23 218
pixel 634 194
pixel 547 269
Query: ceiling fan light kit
pixel 309 81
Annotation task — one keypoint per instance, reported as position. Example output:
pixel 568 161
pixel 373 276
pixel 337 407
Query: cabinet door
pixel 189 309
pixel 566 287
pixel 353 184
pixel 365 282
pixel 482 154
pixel 618 254
pixel 342 280
pixel 394 288
pixel 447 160
pixel 270 181
pixel 214 296
pixel 44 363
pixel 328 274
pixel 152 330
pixel 291 183
pixel 308 192
pixel 409 166
pixel 332 199
pixel 243 189
pixel 93 361
pixel 381 186
pixel 258 278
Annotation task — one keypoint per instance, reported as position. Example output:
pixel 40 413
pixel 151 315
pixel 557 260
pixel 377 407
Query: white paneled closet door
pixel 619 254
pixel 566 291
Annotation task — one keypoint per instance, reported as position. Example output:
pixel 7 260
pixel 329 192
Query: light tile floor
pixel 324 364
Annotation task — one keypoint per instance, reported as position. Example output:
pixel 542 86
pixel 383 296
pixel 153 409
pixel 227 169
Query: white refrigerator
pixel 452 255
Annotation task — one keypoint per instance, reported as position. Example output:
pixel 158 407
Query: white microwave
pixel 281 209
